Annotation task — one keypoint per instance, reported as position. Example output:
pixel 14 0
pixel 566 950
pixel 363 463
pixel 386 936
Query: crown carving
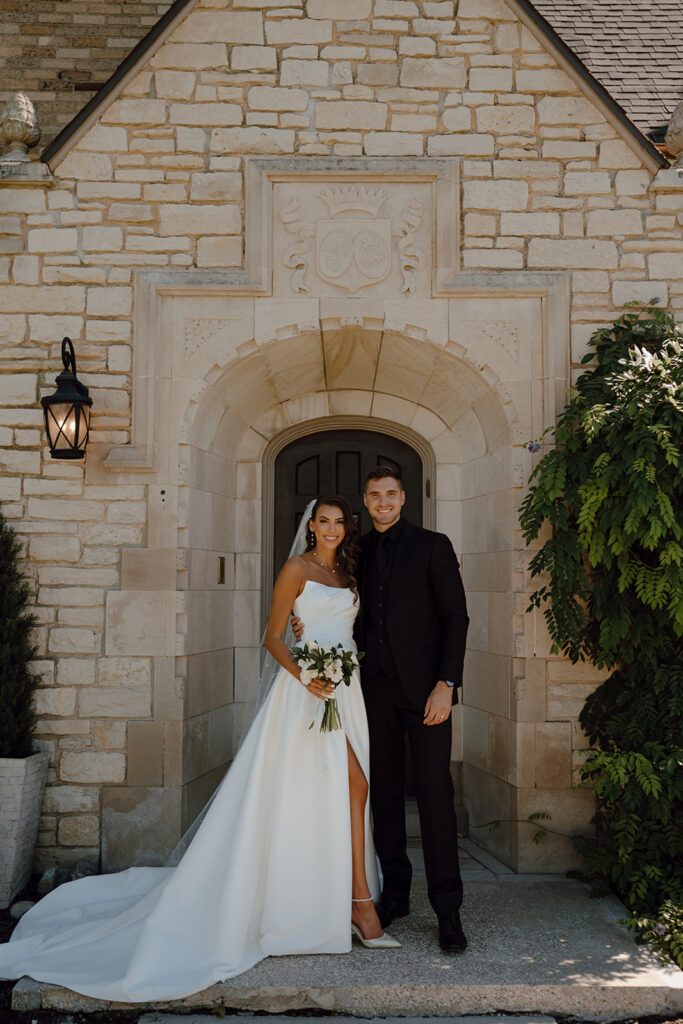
pixel 344 198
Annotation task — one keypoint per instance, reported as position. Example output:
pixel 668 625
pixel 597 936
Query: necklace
pixel 322 564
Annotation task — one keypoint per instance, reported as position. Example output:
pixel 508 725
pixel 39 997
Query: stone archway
pixel 246 413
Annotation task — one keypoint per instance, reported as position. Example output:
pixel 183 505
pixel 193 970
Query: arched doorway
pixel 336 462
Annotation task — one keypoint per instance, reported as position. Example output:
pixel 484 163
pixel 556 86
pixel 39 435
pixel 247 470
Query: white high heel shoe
pixel 383 942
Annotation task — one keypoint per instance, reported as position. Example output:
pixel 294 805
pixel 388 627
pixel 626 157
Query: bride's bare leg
pixel 362 914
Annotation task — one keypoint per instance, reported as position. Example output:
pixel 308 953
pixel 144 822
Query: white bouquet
pixel 333 665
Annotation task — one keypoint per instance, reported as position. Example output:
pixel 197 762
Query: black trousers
pixel 390 716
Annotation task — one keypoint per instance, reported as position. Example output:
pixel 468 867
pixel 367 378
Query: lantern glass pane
pixel 67 426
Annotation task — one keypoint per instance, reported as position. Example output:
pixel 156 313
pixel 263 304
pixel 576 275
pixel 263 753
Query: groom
pixel 412 626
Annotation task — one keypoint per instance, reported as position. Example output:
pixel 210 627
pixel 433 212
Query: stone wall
pixel 548 183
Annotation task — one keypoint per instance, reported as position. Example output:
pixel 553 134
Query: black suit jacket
pixel 426 610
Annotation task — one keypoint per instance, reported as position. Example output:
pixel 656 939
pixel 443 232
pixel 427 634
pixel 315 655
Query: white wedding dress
pixel 268 872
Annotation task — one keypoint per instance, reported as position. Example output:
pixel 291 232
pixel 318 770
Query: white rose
pixel 307 676
pixel 336 671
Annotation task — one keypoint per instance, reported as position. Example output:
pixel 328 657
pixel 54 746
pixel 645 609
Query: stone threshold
pixel 534 948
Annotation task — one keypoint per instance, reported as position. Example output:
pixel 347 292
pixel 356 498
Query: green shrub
pixel 17 682
pixel 611 488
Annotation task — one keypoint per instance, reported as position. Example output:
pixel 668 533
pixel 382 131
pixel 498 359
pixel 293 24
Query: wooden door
pixel 336 462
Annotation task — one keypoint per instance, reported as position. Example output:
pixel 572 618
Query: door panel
pixel 335 462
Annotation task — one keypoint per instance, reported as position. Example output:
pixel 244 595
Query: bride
pixel 282 861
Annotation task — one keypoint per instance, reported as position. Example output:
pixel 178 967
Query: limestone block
pixel 494 10
pixel 569 150
pixel 632 183
pixel 618 154
pixel 99 239
pixel 19 462
pixel 140 622
pixel 173 85
pixel 503 119
pixel 145 751
pixel 134 673
pixel 221 26
pixel 109 330
pixel 569 253
pixel 412 47
pixel 18 388
pixel 66 510
pixel 222 186
pixel 92 766
pixel 553 763
pixel 491 80
pixel 190 219
pixel 49 328
pixel 567 110
pixel 495 195
pixel 109 734
pixel 52 240
pixel 75 597
pixel 133 111
pixel 434 72
pixel 66 799
pixel 110 301
pixel 504 258
pixel 251 140
pixel 586 183
pixel 393 143
pixel 60 549
pixel 22 200
pixel 413 122
pixel 208 114
pixel 352 114
pixel 78 830
pixel 644 292
pixel 219 251
pixel 351 10
pixel 57 700
pixel 127 512
pixel 85 166
pixel 543 80
pixel 26 269
pixel 614 222
pixel 665 265
pixel 266 97
pixel 191 55
pixel 377 74
pixel 294 30
pixel 114 702
pixel 48 299
pixel 530 224
pixel 460 145
pixel 140 825
pixel 74 640
pixel 75 671
pixel 304 72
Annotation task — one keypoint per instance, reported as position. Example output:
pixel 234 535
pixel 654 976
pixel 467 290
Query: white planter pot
pixel 22 784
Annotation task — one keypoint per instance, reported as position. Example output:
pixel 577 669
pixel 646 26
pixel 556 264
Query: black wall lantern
pixel 67 412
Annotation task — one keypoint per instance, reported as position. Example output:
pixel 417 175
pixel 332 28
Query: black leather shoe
pixel 451 936
pixel 390 908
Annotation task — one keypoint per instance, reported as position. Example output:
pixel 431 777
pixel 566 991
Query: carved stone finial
pixel 673 139
pixel 20 128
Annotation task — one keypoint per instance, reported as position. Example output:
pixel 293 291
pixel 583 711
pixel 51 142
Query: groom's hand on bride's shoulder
pixel 297 628
pixel 439 704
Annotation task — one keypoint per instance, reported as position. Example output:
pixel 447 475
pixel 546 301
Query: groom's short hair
pixel 379 473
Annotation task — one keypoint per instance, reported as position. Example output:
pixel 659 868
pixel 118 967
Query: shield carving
pixel 353 253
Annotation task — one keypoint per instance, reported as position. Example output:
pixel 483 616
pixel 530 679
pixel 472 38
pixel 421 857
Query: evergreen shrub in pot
pixel 23 771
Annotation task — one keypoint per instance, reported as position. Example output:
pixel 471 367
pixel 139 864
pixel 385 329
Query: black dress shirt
pixel 378 656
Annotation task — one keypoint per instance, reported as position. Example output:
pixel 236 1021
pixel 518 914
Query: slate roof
pixel 633 47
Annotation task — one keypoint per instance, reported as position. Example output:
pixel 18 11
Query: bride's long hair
pixel 349 550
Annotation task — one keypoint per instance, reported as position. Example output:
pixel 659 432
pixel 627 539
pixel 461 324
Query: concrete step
pixel 203 1018
pixel 541 947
